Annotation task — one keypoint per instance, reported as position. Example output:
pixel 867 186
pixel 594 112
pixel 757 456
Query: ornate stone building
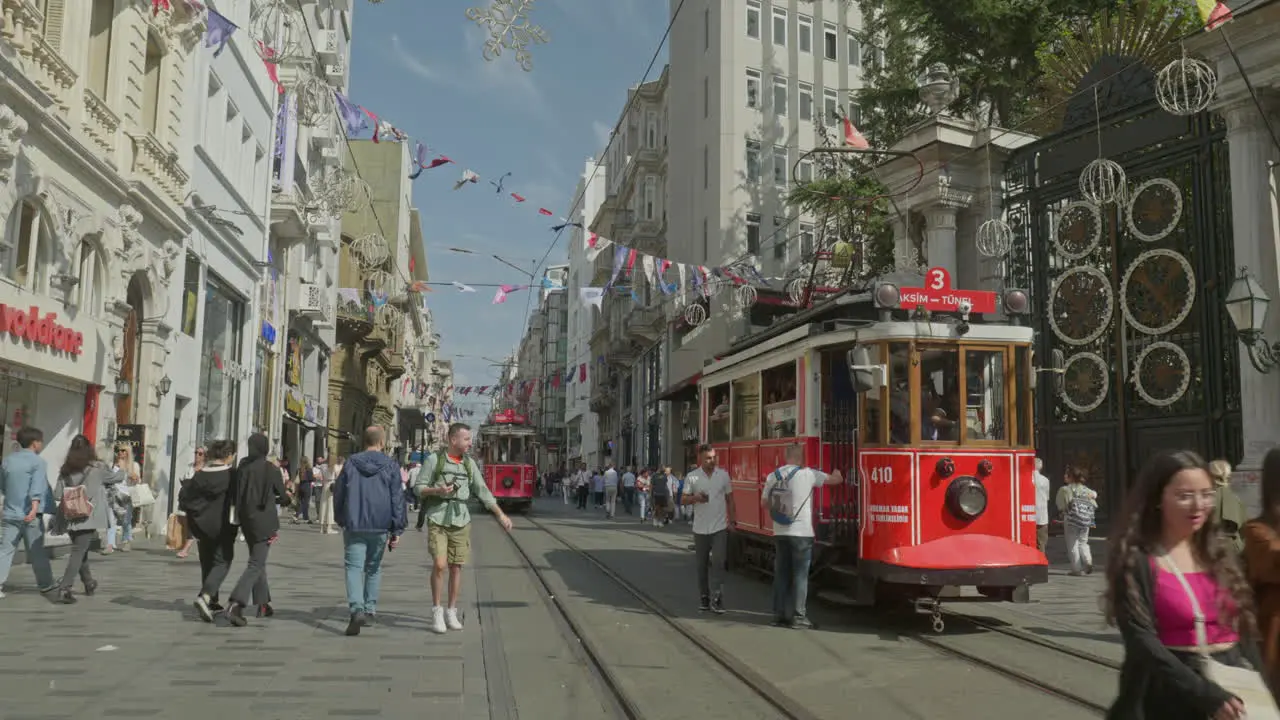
pixel 92 182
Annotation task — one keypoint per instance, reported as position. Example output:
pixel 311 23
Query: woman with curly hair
pixel 1262 557
pixel 1174 589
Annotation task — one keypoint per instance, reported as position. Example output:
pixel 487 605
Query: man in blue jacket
pixel 368 504
pixel 24 480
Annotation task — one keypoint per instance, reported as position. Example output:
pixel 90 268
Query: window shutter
pixel 54 12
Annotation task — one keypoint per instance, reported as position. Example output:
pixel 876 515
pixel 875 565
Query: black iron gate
pixel 1129 293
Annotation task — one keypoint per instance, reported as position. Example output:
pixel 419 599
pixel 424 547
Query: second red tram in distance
pixel 506 451
pixel 928 417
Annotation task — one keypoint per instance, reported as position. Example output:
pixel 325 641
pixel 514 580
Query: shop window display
pixel 219 365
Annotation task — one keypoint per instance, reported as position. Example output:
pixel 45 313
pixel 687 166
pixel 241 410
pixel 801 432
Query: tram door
pixel 840 407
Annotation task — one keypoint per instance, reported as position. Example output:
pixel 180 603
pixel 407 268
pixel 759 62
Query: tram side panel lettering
pixel 886 480
pixel 1027 498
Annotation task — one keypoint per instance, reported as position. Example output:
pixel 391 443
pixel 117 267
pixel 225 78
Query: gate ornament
pixel 1080 305
pixel 1186 86
pixel 1079 230
pixel 1157 291
pixel 508 24
pixel 1103 181
pixel 995 238
pixel 1086 382
pixel 1154 209
pixel 1161 374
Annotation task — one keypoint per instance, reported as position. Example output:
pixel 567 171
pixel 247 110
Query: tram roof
pixel 840 320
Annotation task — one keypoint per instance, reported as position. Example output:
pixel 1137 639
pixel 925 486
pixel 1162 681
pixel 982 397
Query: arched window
pixel 25 246
pixel 89 271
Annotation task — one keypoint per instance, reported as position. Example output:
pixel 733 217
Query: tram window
pixel 718 414
pixel 872 403
pixel 1024 408
pixel 746 408
pixel 899 393
pixel 987 395
pixel 939 394
pixel 780 401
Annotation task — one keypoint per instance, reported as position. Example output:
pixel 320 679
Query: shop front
pixel 222 374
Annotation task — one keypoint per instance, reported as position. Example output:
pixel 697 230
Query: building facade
pixel 750 83
pixel 582 430
pixel 541 382
pixel 95 153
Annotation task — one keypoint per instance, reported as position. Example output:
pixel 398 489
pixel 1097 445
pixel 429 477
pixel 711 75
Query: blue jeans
pixel 31 535
pixel 791 559
pixel 364 569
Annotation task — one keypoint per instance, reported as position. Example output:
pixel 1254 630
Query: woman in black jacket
pixel 259 491
pixel 206 499
pixel 1165 539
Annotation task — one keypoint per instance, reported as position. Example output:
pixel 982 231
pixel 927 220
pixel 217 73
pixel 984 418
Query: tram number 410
pixel 881 476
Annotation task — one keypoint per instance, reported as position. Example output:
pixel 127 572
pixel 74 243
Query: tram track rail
pixel 761 688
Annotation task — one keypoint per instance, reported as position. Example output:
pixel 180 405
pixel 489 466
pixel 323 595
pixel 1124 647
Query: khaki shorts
pixel 452 543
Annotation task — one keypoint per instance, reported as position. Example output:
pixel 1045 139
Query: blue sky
pixel 419 66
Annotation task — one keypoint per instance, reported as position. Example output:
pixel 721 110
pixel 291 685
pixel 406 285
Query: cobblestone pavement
pixel 853 662
pixel 137 650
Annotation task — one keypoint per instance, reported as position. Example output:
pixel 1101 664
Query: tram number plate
pixel 881 476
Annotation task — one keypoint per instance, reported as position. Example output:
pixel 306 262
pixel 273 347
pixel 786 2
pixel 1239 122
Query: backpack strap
pixel 435 475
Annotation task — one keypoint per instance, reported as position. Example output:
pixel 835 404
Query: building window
pixel 806 101
pixel 754 171
pixel 806 171
pixel 780 165
pixel 804 33
pixel 89 291
pixel 779 96
pixel 706 29
pixel 651 131
pixel 706 98
pixel 101 16
pixel 26 243
pixel 706 166
pixel 779 27
pixel 753 19
pixel 753 88
pixel 853 48
pixel 191 295
pixel 753 234
pixel 830 106
pixel 829 40
pixel 779 240
pixel 806 239
pixel 221 345
pixel 855 112
pixel 151 85
pixel 871 56
pixel 650 197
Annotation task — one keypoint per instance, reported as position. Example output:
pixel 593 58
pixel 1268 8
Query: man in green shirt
pixel 449 479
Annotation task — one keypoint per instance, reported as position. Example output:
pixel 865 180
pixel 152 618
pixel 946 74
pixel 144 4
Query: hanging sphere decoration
pixel 379 282
pixel 343 191
pixel 1186 86
pixel 279 30
pixel 1103 181
pixel 695 315
pixel 316 104
pixel 746 296
pixel 797 291
pixel 995 238
pixel 370 251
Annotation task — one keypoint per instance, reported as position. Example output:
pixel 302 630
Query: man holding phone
pixel 709 487
pixel 449 479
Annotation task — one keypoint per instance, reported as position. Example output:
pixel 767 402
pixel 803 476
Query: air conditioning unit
pixel 322 135
pixel 335 73
pixel 327 46
pixel 310 298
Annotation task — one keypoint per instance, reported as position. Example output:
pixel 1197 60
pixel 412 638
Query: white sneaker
pixel 437 621
pixel 451 619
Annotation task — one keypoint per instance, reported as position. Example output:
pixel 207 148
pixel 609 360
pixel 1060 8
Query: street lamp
pixel 123 387
pixel 164 385
pixel 1247 307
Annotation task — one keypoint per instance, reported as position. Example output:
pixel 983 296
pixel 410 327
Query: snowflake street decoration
pixel 508 24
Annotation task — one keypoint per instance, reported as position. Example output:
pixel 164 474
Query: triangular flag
pixel 518 197
pixel 467 177
pixel 853 138
pixel 1213 14
pixel 544 211
pixel 218 31
pixel 463 288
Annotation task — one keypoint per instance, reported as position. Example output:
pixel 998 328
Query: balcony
pixel 354 321
pixel 602 267
pixel 648 323
pixel 100 124
pixel 158 166
pixel 47 68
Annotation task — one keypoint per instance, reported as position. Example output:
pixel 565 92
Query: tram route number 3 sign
pixel 937 295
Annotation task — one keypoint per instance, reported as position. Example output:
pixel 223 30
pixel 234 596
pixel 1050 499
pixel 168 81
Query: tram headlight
pixel 966 497
pixel 508 482
pixel 886 296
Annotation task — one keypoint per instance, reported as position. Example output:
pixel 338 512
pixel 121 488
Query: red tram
pixel 506 448
pixel 933 413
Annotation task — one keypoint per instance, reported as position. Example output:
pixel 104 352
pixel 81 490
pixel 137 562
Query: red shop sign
pixel 938 296
pixel 28 325
pixel 508 417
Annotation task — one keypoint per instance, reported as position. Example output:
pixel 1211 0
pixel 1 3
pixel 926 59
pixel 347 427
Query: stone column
pixel 940 237
pixel 1255 239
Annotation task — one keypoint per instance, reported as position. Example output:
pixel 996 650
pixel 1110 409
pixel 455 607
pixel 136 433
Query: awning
pixel 684 391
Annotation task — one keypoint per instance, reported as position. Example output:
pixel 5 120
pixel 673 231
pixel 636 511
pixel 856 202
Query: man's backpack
pixel 441 458
pixel 779 495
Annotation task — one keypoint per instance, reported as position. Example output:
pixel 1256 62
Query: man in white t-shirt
pixel 629 489
pixel 1041 483
pixel 709 486
pixel 788 498
pixel 610 490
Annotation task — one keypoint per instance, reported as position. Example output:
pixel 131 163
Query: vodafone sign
pixel 937 295
pixel 30 325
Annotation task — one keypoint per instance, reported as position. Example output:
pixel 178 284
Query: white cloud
pixel 411 62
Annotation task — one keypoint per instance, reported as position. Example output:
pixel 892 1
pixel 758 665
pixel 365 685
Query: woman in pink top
pixel 1165 538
